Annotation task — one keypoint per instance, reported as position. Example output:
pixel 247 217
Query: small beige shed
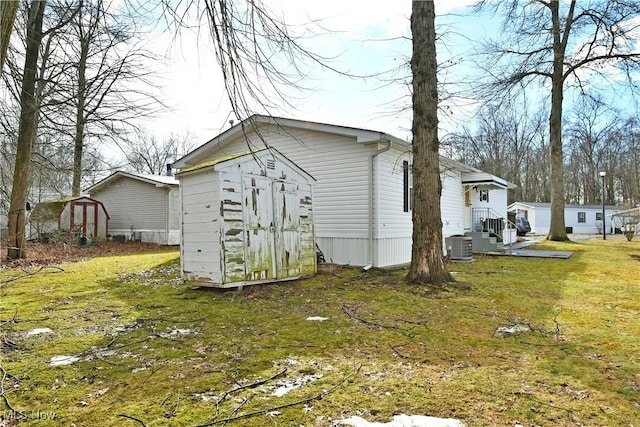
pixel 246 219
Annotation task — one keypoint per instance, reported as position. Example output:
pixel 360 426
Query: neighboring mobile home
pixel 362 197
pixel 246 219
pixel 80 219
pixel 579 219
pixel 141 207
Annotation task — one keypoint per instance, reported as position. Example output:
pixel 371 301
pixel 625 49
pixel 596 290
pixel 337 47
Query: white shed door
pixel 258 218
pixel 287 229
pixel 272 226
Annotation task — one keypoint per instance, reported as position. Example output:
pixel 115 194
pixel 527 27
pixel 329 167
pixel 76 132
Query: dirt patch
pixel 58 253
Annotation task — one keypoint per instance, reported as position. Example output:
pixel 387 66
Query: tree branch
pixel 287 405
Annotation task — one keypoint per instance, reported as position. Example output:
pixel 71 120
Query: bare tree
pixel 566 44
pixel 8 11
pixel 26 133
pixel 591 122
pixel 427 265
pixel 148 154
pixel 627 164
pixel 109 85
pixel 30 103
pixel 263 63
pixel 507 140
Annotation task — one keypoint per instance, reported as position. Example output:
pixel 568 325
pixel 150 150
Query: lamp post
pixel 604 222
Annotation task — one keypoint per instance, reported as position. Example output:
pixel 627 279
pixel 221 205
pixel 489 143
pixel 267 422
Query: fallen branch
pixel 172 412
pixel 405 356
pixel 32 273
pixel 133 418
pixel 248 386
pixel 376 324
pixel 543 331
pixel 2 390
pixel 14 319
pixel 286 405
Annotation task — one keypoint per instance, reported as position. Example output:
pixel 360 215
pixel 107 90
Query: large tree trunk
pixel 8 11
pixel 557 230
pixel 427 264
pixel 29 106
pixel 80 119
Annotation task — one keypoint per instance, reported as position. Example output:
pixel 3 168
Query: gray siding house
pixel 141 206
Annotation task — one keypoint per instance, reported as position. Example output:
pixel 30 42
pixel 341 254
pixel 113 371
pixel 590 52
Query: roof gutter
pixel 372 199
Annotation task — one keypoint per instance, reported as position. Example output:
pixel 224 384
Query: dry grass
pixel 154 352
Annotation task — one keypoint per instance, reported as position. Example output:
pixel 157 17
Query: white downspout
pixel 371 201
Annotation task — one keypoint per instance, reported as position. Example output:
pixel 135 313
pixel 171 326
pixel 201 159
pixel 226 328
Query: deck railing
pixel 489 221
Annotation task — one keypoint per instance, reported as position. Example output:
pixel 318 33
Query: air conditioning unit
pixel 459 248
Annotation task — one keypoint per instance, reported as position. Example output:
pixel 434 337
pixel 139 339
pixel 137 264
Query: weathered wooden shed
pixel 246 219
pixel 72 218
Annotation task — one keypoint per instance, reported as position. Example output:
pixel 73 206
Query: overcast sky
pixel 365 38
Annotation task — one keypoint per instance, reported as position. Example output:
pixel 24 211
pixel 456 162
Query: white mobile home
pixel 362 198
pixel 141 206
pixel 579 219
pixel 246 219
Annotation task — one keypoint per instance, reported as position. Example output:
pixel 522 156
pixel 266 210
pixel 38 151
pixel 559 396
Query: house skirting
pixel 161 237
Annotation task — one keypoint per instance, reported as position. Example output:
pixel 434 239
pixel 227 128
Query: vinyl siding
pixel 539 216
pixel 452 203
pixel 340 167
pixel 138 206
pixel 391 220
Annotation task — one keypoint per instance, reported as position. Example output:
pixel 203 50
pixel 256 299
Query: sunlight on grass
pixel 154 351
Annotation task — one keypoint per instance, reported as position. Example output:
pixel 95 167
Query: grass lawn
pixel 148 350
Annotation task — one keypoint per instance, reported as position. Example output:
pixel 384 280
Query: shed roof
pixel 51 208
pixel 546 205
pixel 254 153
pixel 148 178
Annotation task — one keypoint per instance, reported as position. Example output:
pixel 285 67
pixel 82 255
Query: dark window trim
pixel 405 185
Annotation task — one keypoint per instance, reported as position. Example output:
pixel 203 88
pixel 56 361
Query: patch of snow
pixel 174 332
pixel 38 331
pixel 317 319
pixel 286 386
pixel 99 353
pixel 511 330
pixel 206 397
pixel 404 421
pixel 63 360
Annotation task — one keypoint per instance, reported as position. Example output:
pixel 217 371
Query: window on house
pixel 582 217
pixel 484 196
pixel 407 185
pixel 598 216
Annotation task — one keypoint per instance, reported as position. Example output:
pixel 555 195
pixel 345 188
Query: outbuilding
pixel 142 207
pixel 80 219
pixel 246 219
